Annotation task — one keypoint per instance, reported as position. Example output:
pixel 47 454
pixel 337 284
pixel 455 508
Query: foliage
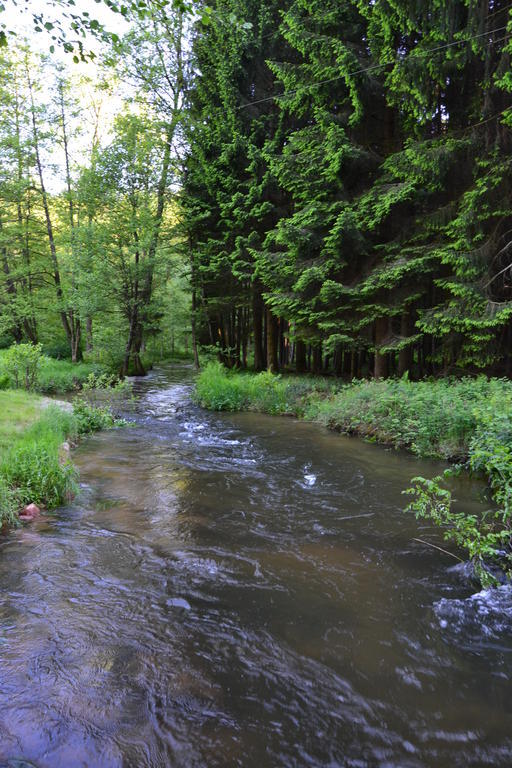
pixel 486 538
pixel 32 468
pixel 100 400
pixel 349 181
pixel 222 390
pixel 21 363
pixel 91 419
pixel 53 376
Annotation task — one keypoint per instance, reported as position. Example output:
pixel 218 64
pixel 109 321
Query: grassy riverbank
pixel 468 421
pixel 55 376
pixel 33 466
pixel 431 418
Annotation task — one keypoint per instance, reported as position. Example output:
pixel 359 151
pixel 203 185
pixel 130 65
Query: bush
pixel 21 364
pixel 107 391
pixel 91 419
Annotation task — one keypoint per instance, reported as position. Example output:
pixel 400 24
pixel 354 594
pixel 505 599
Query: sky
pixel 19 20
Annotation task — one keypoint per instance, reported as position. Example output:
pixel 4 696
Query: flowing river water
pixel 242 590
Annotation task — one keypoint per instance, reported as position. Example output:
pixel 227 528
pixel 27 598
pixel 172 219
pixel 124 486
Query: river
pixel 242 590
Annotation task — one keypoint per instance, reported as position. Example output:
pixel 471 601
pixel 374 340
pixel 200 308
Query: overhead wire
pixel 373 67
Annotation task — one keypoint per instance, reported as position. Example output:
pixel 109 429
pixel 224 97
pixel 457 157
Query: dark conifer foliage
pixel 348 186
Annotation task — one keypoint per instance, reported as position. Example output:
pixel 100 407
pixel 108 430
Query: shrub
pixel 21 364
pixel 107 391
pixel 91 419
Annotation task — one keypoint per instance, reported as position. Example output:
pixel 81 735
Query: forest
pixel 215 214
pixel 318 186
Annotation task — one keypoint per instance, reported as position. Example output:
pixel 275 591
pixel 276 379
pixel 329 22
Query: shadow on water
pixel 240 590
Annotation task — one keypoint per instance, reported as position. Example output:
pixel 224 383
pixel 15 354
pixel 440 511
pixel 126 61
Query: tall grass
pixel 56 376
pixel 221 390
pixel 31 469
pixel 431 418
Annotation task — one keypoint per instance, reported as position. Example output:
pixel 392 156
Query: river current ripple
pixel 238 590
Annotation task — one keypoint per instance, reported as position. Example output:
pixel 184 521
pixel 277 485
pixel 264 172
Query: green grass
pixel 57 376
pixel 221 390
pixel 18 410
pixel 30 466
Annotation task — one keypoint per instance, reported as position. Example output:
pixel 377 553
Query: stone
pixel 30 512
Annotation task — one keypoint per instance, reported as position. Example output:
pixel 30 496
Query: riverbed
pixel 244 590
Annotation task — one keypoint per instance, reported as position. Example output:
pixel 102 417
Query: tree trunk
pixel 89 343
pixel 257 320
pixel 317 358
pixel 405 355
pixel 46 209
pixel 300 356
pixel 380 370
pixel 272 337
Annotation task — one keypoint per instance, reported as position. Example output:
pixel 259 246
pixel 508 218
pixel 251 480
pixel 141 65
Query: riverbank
pixel 34 468
pixel 467 421
pixel 55 376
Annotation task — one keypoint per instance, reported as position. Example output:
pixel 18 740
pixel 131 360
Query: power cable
pixel 373 67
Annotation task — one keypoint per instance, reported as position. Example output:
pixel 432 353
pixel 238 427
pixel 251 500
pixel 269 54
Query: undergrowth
pixel 52 377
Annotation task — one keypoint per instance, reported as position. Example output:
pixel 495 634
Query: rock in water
pixel 30 512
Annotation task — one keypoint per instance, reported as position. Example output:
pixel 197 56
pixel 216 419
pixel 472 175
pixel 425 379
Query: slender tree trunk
pixel 193 329
pixel 89 343
pixel 11 292
pixel 73 314
pixel 405 354
pixel 380 370
pixel 272 338
pixel 317 358
pixel 257 319
pixel 300 356
pixel 29 318
pixel 46 209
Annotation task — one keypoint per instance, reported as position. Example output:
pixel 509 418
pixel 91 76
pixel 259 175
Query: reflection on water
pixel 237 590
